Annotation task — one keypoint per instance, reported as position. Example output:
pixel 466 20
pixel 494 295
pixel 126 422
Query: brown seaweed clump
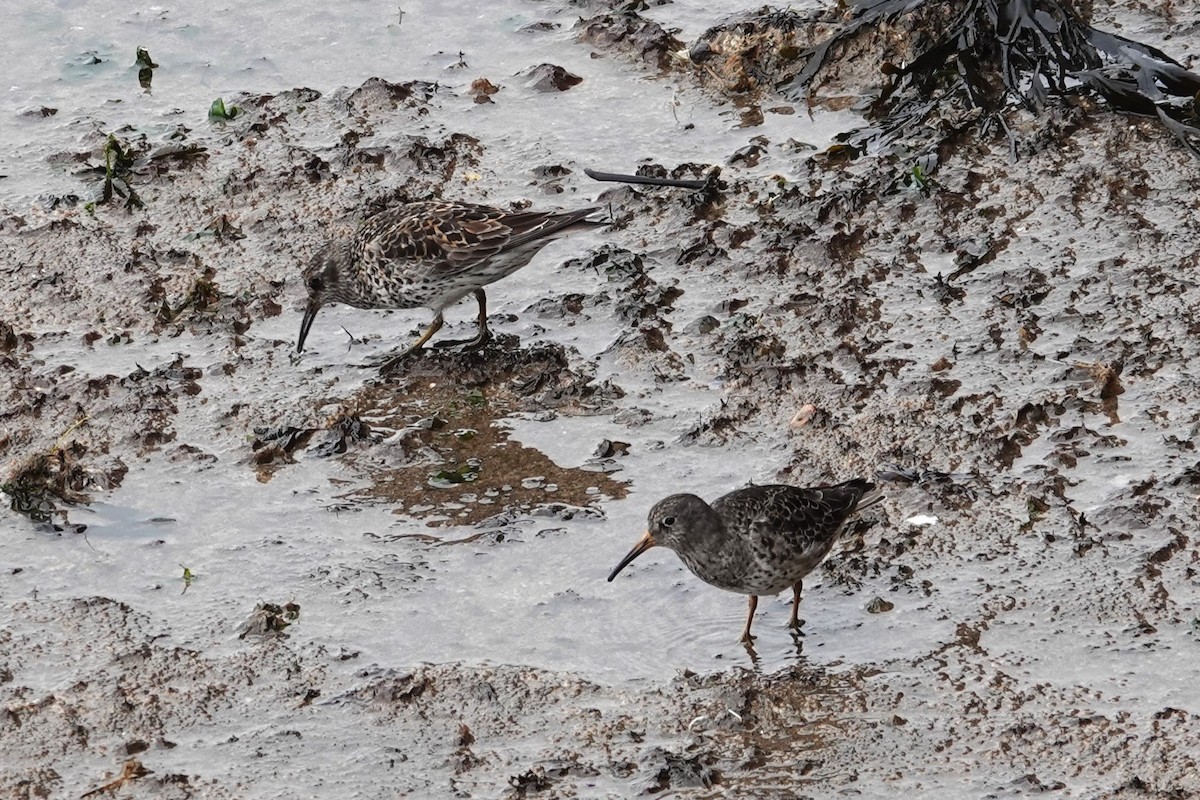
pixel 943 65
pixel 40 482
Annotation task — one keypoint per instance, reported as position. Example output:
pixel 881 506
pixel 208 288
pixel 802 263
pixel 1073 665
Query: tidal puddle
pixel 444 456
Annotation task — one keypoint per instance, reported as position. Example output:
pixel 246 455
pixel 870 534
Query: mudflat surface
pixel 232 571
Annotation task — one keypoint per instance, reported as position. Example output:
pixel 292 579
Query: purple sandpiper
pixel 429 255
pixel 757 541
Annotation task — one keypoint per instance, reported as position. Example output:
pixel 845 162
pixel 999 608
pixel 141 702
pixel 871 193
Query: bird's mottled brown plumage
pixel 756 541
pixel 429 255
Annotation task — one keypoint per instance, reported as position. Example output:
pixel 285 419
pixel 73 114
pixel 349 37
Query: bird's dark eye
pixel 668 522
pixel 316 284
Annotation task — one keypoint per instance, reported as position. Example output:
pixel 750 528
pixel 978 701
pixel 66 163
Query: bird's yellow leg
pixel 394 362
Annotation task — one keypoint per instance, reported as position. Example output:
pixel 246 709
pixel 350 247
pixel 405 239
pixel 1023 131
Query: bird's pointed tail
pixel 871 498
pixel 870 495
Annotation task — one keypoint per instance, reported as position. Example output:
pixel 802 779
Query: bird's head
pixel 323 279
pixel 673 523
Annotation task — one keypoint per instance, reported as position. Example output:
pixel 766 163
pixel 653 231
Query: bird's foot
pixel 796 624
pixel 468 345
pixel 747 642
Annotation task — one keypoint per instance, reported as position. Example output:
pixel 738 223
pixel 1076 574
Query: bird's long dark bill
pixel 644 544
pixel 310 314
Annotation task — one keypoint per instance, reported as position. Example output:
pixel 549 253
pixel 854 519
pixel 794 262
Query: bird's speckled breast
pixel 739 567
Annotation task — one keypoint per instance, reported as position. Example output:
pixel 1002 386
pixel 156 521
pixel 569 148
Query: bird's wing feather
pixel 432 237
pixel 447 238
pixel 796 518
pixel 533 225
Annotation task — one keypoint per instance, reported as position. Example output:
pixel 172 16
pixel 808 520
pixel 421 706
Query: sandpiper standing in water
pixel 429 255
pixel 757 541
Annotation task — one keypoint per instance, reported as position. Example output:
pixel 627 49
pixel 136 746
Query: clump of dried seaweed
pixel 126 162
pixel 994 53
pixel 34 485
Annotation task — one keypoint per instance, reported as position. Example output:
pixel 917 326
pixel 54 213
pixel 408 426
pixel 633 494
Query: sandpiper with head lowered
pixel 429 255
pixel 757 541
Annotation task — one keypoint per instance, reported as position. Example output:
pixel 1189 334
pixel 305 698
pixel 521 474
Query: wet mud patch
pixel 489 731
pixel 629 33
pixel 68 435
pixel 435 445
pixel 458 464
pixel 751 53
pixel 971 328
pixel 699 736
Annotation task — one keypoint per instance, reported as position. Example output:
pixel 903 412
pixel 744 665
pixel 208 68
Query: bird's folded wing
pixel 444 240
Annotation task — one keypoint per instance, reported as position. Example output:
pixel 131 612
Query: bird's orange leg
pixel 794 621
pixel 746 637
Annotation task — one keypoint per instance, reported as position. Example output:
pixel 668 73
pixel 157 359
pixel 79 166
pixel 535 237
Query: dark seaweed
pixel 999 52
pixel 146 67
